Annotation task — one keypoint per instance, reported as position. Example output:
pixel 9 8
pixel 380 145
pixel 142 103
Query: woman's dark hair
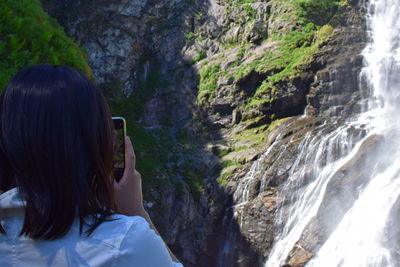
pixel 56 147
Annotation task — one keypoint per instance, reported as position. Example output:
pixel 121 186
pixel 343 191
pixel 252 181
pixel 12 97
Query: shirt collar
pixel 11 199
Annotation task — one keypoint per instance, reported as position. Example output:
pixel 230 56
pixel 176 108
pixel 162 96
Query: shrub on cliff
pixel 29 36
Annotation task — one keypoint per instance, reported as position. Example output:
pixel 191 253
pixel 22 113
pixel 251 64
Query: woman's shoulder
pixel 114 230
pixel 136 242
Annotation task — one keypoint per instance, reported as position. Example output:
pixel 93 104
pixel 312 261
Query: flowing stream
pixel 365 233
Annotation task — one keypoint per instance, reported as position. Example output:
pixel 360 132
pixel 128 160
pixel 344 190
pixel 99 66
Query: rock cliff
pixel 208 87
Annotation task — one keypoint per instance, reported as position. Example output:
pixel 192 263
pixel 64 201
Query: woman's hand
pixel 128 191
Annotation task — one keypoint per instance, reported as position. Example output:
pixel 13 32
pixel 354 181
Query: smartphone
pixel 119 147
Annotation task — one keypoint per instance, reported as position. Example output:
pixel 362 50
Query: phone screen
pixel 119 146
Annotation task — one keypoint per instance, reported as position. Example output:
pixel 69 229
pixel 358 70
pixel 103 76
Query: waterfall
pixel 359 220
pixel 224 256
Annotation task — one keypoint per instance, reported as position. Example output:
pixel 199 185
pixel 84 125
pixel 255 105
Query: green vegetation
pixel 275 124
pixel 241 52
pixel 208 82
pixel 316 11
pixel 228 163
pixel 242 2
pixel 223 152
pixel 223 179
pixel 250 11
pixel 296 50
pixel 200 56
pixel 189 36
pixel 29 36
pixel 255 135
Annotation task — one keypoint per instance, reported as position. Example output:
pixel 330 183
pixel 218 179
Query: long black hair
pixel 56 147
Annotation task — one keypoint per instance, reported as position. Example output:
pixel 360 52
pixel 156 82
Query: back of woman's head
pixel 56 148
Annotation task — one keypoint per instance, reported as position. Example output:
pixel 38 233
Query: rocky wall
pixel 200 66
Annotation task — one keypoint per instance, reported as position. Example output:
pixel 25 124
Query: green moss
pixel 295 51
pixel 189 36
pixel 344 3
pixel 241 52
pixel 223 179
pixel 223 152
pixel 200 56
pixel 239 148
pixel 255 102
pixel 227 163
pixel 250 11
pixel 274 124
pixel 29 36
pixel 208 82
pixel 255 135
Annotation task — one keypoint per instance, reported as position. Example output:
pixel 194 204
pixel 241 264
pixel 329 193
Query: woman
pixel 60 204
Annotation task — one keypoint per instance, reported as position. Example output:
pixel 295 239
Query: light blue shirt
pixel 127 241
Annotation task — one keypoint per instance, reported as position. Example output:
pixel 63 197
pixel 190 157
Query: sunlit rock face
pixel 338 87
pixel 232 220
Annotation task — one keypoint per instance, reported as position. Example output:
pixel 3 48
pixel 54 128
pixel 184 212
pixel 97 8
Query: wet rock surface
pixel 298 257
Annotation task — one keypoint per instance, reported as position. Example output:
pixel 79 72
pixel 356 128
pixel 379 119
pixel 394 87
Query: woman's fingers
pixel 128 192
pixel 129 157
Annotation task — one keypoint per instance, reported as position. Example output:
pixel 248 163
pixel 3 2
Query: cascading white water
pixel 320 167
pixel 360 238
